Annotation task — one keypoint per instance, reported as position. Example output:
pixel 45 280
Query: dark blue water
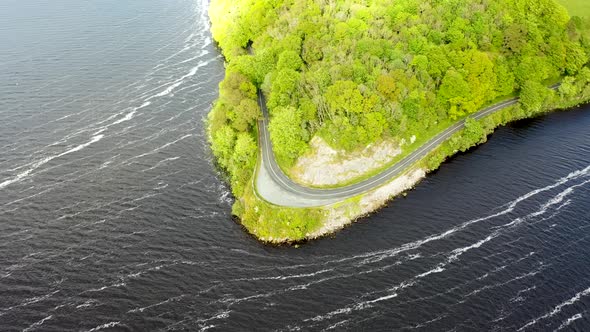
pixel 113 218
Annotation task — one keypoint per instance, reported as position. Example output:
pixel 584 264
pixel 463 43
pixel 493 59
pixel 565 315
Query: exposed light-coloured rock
pixel 346 213
pixel 325 166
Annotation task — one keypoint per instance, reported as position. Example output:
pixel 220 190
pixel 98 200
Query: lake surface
pixel 112 216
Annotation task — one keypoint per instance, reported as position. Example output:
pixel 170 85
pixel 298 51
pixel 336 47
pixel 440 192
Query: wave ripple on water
pixel 112 216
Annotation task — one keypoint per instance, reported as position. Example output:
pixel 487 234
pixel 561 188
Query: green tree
pixel 473 130
pixel 287 135
pixel 575 58
pixel 289 60
pixel 284 87
pixel 438 63
pixel 420 62
pixel 480 77
pixel 244 115
pixel 375 125
pixel 532 96
pixel 355 71
pixel 243 162
pixel 505 80
pixel 344 97
pixel 223 144
pixel 386 85
pixel 236 87
pixel 455 94
pixel 531 69
pixel 568 88
pixel 515 37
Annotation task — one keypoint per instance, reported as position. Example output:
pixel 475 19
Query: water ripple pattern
pixel 113 218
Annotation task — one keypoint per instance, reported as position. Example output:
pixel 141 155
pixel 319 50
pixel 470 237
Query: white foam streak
pixel 120 284
pixel 86 304
pixel 157 149
pixel 127 117
pixel 35 325
pixel 460 251
pixel 382 298
pixel 528 289
pixel 545 207
pixel 509 208
pixel 334 326
pixel 368 303
pixel 456 253
pixel 172 299
pixel 569 321
pixel 438 269
pixel 293 276
pixel 161 162
pixel 181 80
pixel 44 161
pixel 29 302
pixel 571 176
pixel 557 308
pixel 519 277
pixel 104 326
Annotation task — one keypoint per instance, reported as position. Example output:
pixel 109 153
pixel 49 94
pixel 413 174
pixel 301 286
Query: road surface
pixel 275 187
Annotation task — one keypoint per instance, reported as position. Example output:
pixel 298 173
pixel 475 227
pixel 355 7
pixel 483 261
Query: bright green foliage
pixel 244 115
pixel 481 78
pixel 505 80
pixel 455 93
pixel 375 124
pixel 344 97
pixel 355 72
pixel 223 144
pixel 575 59
pixel 417 63
pixel 569 88
pixel 243 162
pixel 231 129
pixel 387 87
pixel 533 96
pixel 577 7
pixel 284 88
pixel 531 68
pixel 255 67
pixel 289 60
pixel 473 130
pixel 287 134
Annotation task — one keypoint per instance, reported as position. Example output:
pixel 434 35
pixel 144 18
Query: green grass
pixel 576 7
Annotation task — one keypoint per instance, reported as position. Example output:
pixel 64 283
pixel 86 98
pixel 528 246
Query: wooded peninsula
pixel 344 76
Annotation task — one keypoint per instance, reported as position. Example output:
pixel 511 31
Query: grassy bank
pixel 576 7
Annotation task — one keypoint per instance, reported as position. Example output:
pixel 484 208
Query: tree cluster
pixel 354 72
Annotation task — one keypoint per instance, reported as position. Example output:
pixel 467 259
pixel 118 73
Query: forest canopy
pixel 355 72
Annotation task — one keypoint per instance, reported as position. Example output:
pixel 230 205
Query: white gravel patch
pixel 325 166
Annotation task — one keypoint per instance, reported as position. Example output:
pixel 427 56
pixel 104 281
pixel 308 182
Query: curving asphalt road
pixel 275 187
